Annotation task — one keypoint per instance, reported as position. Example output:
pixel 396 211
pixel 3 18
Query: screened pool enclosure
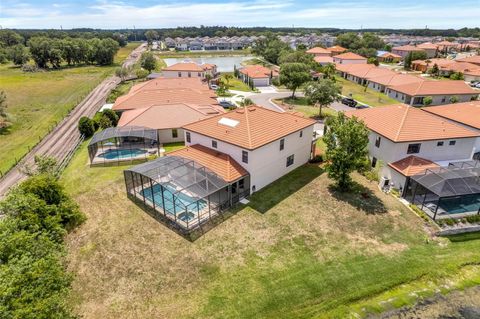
pixel 447 192
pixel 118 144
pixel 182 192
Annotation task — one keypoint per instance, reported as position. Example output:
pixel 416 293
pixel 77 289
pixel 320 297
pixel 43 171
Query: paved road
pixel 65 135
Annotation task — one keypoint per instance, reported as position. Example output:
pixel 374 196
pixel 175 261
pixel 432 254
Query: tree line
pixel 52 52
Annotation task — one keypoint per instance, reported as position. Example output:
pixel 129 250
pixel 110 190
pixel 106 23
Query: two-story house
pixel 405 141
pixel 266 143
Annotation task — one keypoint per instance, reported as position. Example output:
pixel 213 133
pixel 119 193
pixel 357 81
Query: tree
pixel 293 75
pixel 86 126
pixel 270 48
pixel 227 77
pixel 208 78
pixel 43 165
pixel 122 73
pixel 456 76
pixel 297 57
pixel 3 110
pixel 435 71
pixel 246 102
pixel 112 116
pixel 10 38
pixel 151 35
pixel 329 71
pixel 148 61
pixel 346 140
pixel 105 51
pixel 373 61
pixel 19 54
pixel 322 93
pixel 413 56
pixel 105 122
pixel 371 40
pixel 427 100
pixel 349 40
pixel 453 99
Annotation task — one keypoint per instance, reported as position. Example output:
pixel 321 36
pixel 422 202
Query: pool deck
pixel 98 159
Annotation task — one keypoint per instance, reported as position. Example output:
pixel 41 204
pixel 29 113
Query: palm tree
pixel 329 71
pixel 208 78
pixel 227 78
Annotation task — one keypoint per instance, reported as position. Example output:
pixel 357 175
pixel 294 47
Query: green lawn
pixel 238 85
pixel 37 101
pixel 298 250
pixel 301 104
pixel 368 96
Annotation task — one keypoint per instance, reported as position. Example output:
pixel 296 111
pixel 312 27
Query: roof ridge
pixel 248 127
pixel 402 123
pixel 144 109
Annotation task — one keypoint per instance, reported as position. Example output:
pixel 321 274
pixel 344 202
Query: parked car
pixel 349 102
pixel 477 86
pixel 214 87
pixel 226 104
pixel 474 83
pixel 361 106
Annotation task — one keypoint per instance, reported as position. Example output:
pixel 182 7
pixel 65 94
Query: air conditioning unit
pixel 384 183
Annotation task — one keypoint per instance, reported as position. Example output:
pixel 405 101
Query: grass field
pixel 369 96
pixel 37 101
pixel 298 250
pixel 301 104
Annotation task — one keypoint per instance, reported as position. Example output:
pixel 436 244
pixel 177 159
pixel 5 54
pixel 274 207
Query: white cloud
pixel 115 14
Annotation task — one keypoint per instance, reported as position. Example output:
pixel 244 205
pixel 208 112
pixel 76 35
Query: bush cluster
pixel 33 278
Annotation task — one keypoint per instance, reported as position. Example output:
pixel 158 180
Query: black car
pixel 226 104
pixel 349 102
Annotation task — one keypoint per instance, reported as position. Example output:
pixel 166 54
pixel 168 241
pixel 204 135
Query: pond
pixel 223 63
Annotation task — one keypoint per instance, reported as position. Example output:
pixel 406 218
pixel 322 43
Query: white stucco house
pixel 349 58
pixel 266 143
pixel 258 75
pixel 189 70
pixel 406 141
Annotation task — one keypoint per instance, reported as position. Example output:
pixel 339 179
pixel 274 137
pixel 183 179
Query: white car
pixel 214 87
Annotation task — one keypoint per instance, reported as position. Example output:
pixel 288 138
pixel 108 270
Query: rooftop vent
pixel 228 122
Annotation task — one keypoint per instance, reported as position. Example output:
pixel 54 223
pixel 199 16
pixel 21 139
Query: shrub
pixel 317 159
pixel 86 126
pixel 473 219
pixel 29 68
pixel 141 73
pixel 112 116
pixel 420 213
pixel 105 122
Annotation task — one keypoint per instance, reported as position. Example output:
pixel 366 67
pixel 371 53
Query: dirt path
pixel 65 135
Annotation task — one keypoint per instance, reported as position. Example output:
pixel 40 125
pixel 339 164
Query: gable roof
pixel 185 66
pixel 396 79
pixel 257 71
pixel 412 165
pixel 318 50
pixel 390 55
pixel 403 123
pixel 475 59
pixel 323 59
pixel 434 88
pixel 337 48
pixel 427 46
pixel 467 113
pixel 251 127
pixel 172 83
pixel 168 115
pixel 349 56
pixel 220 163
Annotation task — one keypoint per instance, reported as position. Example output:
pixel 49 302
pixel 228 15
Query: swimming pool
pixel 122 153
pixel 460 205
pixel 182 200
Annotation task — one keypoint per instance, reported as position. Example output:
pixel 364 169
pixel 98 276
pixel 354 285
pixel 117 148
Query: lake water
pixel 223 63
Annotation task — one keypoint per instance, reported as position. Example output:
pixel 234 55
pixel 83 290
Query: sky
pixel 111 14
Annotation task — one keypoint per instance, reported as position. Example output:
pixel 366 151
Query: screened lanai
pixel 447 192
pixel 126 143
pixel 179 189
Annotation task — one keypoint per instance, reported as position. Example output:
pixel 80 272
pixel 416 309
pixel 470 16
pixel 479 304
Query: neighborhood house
pixel 190 70
pixel 257 75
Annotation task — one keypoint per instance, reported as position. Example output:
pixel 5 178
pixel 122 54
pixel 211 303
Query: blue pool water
pixel 122 153
pixel 460 206
pixel 181 201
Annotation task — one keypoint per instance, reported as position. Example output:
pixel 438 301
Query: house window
pixel 214 144
pixel 174 133
pixel 440 143
pixel 290 160
pixel 452 143
pixel 245 157
pixel 396 94
pixel 413 148
pixel 282 144
pixel 179 74
pixel 444 99
pixel 199 74
pixel 301 133
pixel 189 74
pixel 374 161
pixel 377 141
pixel 188 137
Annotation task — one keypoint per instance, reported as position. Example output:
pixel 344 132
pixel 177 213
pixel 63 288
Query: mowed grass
pixel 298 250
pixel 236 84
pixel 302 105
pixel 38 101
pixel 368 96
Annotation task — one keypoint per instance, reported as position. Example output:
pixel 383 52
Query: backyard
pixel 38 101
pixel 302 105
pixel 298 249
pixel 368 96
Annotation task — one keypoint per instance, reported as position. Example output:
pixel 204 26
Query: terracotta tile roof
pixel 390 55
pixel 349 56
pixel 323 59
pixel 467 113
pixel 475 59
pixel 357 68
pixel 172 83
pixel 427 46
pixel 446 43
pixel 319 50
pixel 258 71
pixel 455 66
pixel 220 163
pixel 407 48
pixel 426 88
pixel 168 115
pixel 403 123
pixel 336 49
pixel 396 79
pixel 412 165
pixel 185 66
pixel 255 126
pixel 431 62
